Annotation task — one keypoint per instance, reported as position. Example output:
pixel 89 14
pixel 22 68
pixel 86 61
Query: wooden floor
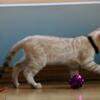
pixel 51 91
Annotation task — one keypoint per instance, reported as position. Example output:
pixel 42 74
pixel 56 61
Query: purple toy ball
pixel 76 81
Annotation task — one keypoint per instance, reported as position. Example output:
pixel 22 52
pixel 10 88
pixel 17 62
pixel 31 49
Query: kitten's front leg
pixel 73 72
pixel 90 65
pixel 74 69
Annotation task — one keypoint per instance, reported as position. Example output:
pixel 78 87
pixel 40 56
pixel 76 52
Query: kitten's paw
pixel 38 86
pixel 16 85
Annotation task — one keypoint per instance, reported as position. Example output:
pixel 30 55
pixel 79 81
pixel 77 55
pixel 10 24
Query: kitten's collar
pixel 93 44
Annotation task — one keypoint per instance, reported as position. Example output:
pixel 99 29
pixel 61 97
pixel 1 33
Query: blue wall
pixel 17 22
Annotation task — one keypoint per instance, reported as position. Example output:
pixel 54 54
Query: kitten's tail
pixel 10 56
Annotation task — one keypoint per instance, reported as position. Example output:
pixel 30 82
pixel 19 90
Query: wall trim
pixel 50 4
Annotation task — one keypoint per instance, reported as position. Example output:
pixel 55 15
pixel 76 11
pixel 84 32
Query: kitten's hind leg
pixel 16 70
pixel 29 75
pixel 15 75
pixel 37 60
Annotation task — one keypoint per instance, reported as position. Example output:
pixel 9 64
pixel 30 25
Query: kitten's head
pixel 95 32
pixel 96 37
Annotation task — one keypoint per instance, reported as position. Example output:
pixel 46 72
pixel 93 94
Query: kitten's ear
pixel 95 32
pixel 98 37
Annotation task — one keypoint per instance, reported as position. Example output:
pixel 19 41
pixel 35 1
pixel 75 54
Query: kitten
pixel 43 50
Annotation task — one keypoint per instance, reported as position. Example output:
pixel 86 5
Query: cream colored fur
pixel 43 50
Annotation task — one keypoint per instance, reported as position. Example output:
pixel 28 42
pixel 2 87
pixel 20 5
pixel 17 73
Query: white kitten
pixel 43 50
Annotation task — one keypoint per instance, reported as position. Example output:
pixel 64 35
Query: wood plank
pixel 51 73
